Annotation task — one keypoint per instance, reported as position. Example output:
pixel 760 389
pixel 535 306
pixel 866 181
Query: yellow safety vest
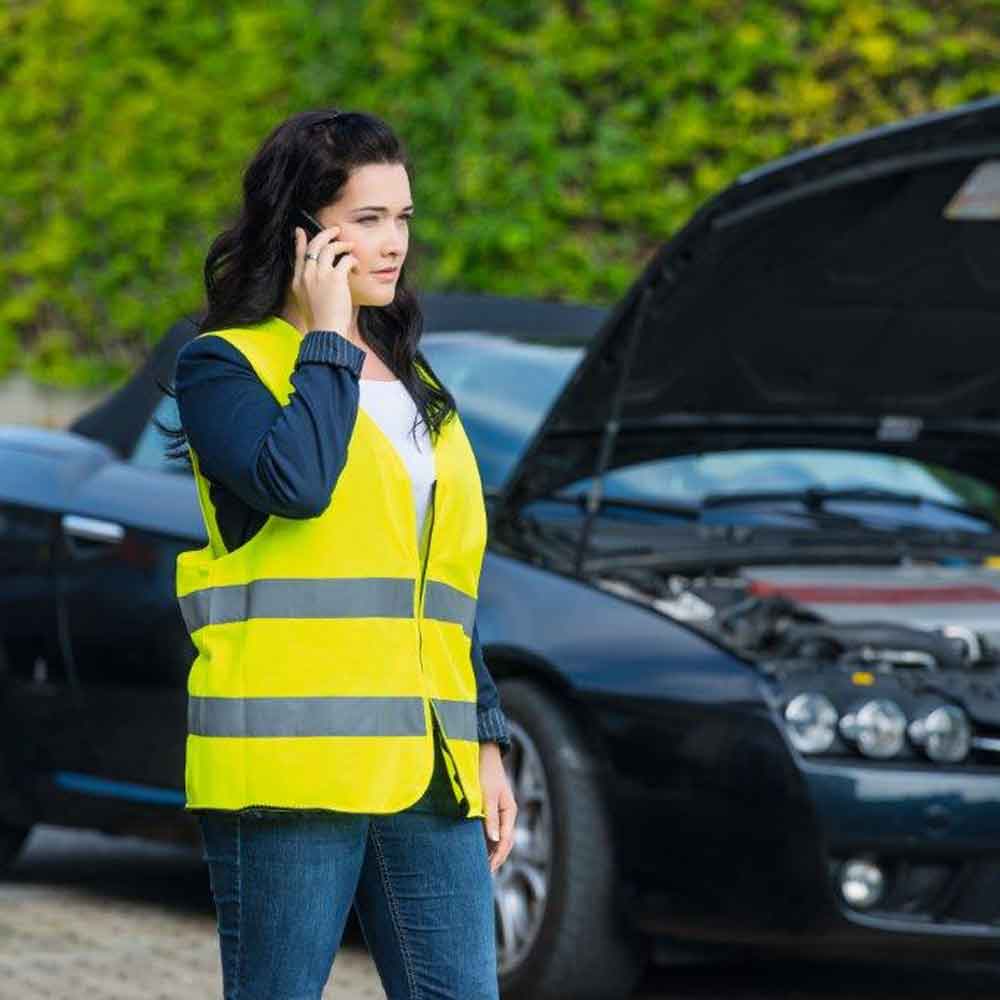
pixel 325 643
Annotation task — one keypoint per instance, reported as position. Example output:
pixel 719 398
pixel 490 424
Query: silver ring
pixel 312 256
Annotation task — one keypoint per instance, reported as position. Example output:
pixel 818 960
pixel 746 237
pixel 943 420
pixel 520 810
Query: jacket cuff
pixel 492 726
pixel 328 346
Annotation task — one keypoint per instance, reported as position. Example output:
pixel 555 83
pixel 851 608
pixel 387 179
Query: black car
pixel 740 597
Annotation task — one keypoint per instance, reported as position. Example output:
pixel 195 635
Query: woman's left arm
pixel 494 743
pixel 491 722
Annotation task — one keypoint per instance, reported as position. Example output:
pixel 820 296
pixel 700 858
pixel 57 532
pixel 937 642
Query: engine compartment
pixel 814 628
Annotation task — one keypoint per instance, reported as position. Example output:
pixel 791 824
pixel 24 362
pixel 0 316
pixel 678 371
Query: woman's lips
pixel 389 275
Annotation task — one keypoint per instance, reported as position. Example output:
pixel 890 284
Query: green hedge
pixel 557 144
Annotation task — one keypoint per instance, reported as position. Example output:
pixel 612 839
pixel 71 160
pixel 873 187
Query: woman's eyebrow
pixel 379 208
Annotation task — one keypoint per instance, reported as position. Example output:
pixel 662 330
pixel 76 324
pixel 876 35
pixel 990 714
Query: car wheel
pixel 558 934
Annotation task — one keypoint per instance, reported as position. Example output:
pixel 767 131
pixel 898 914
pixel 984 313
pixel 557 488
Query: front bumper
pixel 935 833
pixel 751 856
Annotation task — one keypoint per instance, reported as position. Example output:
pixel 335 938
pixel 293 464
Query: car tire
pixel 572 943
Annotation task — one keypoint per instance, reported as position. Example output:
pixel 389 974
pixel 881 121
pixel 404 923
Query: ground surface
pixel 88 916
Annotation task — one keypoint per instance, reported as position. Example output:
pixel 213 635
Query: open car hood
pixel 847 296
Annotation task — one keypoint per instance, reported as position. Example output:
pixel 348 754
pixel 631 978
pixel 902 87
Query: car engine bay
pixel 895 653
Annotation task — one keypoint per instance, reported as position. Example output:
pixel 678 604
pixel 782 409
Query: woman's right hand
pixel 321 291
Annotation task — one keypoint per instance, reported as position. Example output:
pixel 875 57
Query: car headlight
pixel 878 728
pixel 811 721
pixel 944 733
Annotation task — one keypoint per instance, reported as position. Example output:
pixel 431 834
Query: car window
pixel 150 449
pixel 503 388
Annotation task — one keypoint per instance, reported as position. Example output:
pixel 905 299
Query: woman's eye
pixel 373 218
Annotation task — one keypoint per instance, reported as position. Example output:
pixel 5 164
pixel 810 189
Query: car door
pixel 39 706
pixel 129 646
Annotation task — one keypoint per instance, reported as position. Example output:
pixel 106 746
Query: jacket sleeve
pixel 278 459
pixel 490 719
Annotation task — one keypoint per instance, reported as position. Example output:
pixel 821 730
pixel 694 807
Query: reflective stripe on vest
pixel 327 646
pixel 450 605
pixel 270 717
pixel 308 598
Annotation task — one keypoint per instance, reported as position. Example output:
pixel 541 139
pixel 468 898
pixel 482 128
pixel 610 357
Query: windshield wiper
pixel 689 511
pixel 815 498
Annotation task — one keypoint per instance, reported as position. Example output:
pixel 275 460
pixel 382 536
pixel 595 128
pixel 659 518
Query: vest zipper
pixel 423 575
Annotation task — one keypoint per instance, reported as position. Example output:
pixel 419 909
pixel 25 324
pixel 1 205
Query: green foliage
pixel 556 144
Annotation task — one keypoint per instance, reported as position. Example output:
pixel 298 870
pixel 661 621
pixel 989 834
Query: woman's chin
pixel 374 296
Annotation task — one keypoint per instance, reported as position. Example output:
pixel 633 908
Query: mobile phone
pixel 312 226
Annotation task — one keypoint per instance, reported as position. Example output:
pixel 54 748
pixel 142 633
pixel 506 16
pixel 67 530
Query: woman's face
pixel 374 211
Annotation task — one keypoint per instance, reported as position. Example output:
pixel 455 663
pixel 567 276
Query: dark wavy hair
pixel 305 162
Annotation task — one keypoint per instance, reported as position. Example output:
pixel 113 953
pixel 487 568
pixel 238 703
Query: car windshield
pixel 691 479
pixel 504 387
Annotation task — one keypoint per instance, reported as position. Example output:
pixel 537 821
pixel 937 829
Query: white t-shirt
pixel 390 405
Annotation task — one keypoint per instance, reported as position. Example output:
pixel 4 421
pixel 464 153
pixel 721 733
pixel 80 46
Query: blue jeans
pixel 419 879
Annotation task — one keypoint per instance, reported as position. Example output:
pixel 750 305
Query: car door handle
pixel 92 528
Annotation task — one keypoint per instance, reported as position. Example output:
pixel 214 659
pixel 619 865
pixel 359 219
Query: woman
pixel 344 734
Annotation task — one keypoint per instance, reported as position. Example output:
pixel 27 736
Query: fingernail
pixel 494 835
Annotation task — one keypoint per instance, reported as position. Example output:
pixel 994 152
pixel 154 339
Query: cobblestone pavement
pixel 89 917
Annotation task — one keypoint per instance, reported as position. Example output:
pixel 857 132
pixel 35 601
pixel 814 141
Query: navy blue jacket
pixel 262 458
